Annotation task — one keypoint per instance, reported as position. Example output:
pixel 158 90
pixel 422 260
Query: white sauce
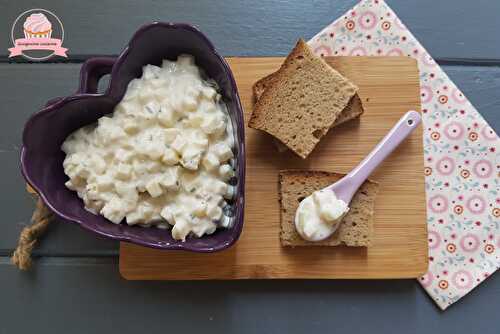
pixel 319 215
pixel 161 158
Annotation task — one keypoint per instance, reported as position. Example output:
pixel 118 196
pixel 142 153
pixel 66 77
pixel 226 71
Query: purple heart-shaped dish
pixel 42 158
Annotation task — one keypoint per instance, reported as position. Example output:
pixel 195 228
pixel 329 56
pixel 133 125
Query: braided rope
pixel 30 234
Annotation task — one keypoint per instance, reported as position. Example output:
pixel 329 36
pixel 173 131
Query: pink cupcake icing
pixel 37 25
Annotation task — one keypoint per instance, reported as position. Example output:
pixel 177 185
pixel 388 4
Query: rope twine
pixel 28 238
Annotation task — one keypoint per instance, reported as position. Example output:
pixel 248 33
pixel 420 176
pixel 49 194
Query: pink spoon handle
pixel 348 185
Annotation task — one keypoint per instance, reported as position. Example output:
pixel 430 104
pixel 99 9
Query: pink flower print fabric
pixel 462 154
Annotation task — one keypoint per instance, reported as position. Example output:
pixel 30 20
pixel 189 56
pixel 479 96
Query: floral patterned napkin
pixel 462 154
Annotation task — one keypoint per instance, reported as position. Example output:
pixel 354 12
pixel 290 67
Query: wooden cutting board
pixel 389 86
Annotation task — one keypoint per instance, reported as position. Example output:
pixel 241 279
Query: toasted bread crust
pixel 301 101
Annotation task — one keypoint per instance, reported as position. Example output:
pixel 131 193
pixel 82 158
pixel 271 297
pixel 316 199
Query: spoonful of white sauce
pixel 319 215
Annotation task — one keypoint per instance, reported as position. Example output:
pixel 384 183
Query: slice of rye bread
pixel 353 109
pixel 304 101
pixel 356 228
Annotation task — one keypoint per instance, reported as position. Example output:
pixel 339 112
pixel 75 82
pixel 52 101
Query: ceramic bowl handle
pixel 92 71
pixel 53 101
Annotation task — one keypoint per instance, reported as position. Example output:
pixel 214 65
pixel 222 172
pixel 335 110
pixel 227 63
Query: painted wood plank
pixel 87 295
pixel 453 29
pixel 26 87
pixel 482 86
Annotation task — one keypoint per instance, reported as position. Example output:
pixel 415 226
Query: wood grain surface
pixel 454 29
pixel 388 88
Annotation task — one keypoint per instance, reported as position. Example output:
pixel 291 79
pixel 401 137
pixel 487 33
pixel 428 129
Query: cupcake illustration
pixel 37 26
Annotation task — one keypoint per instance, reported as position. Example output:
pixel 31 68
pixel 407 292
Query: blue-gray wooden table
pixel 75 286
